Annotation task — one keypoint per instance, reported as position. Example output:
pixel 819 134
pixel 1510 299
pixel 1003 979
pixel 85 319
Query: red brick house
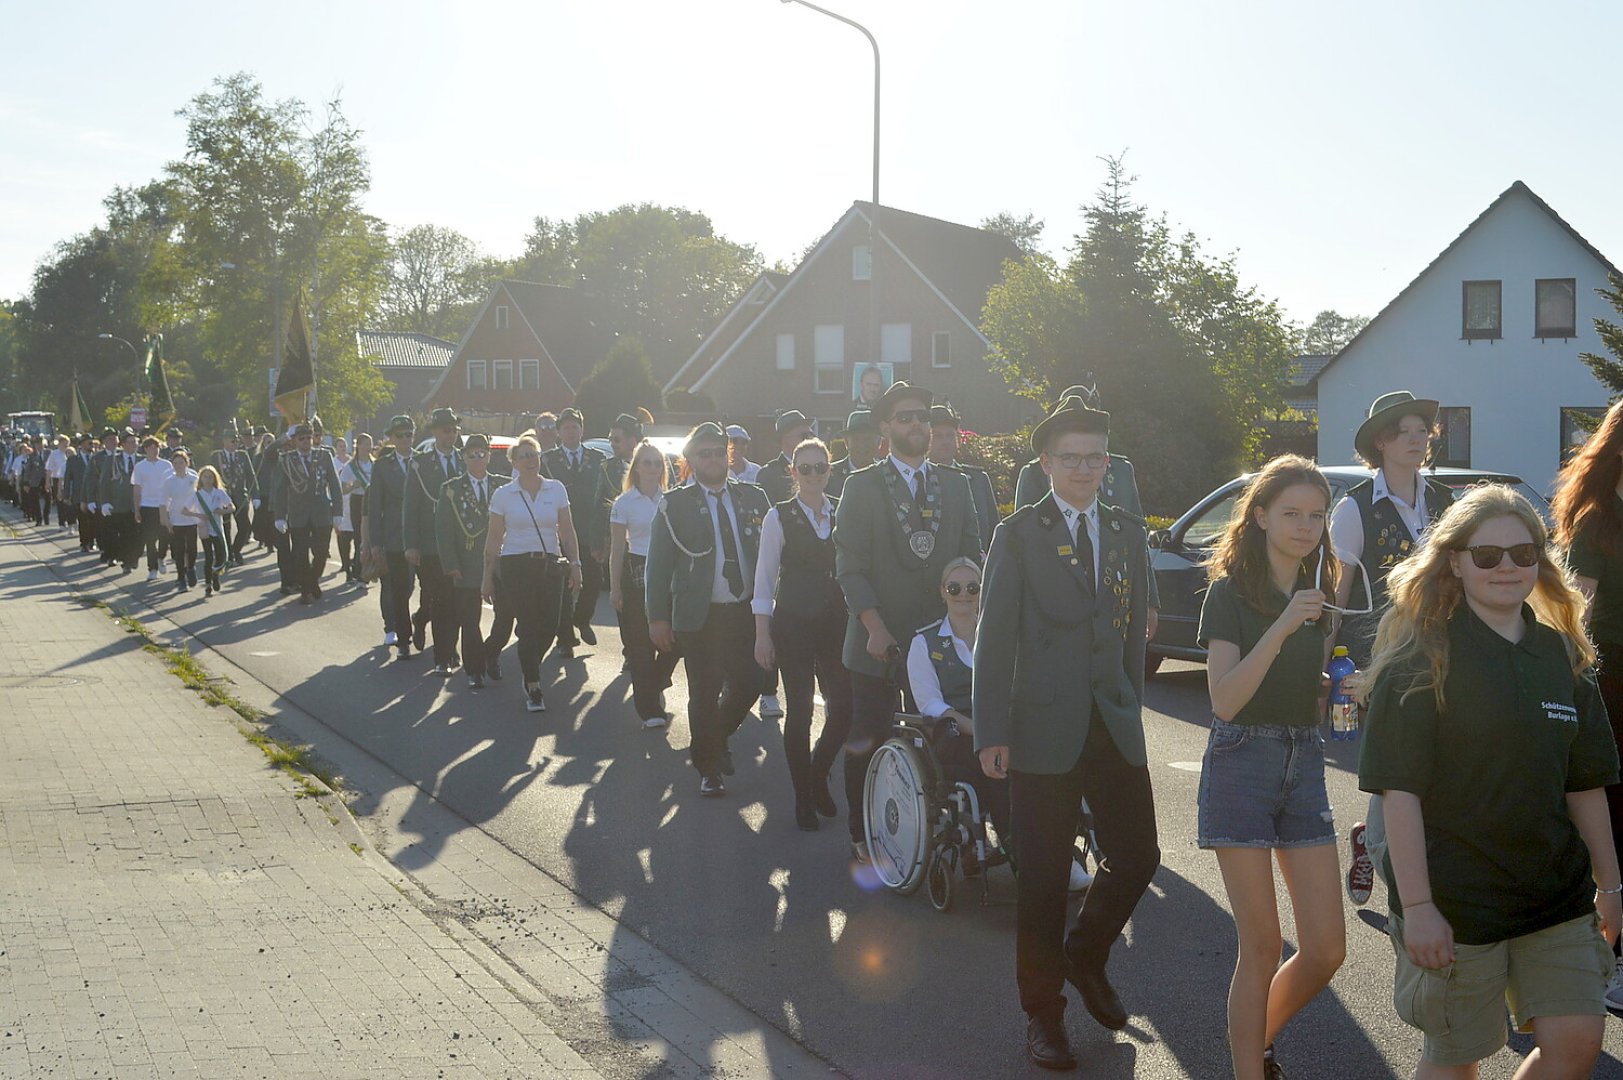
pixel 804 341
pixel 527 349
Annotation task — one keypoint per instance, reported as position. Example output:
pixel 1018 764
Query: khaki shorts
pixel 1558 971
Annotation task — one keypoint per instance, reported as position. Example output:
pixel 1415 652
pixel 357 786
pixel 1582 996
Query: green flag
pixel 78 411
pixel 297 376
pixel 158 382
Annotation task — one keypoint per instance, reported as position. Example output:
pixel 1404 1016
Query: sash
pixel 208 512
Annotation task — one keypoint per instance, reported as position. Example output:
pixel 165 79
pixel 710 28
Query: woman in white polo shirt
pixel 534 536
pixel 631 519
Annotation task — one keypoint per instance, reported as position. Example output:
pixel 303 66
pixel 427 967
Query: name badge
pixel 1065 549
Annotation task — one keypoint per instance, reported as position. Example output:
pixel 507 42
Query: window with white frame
pixel 502 372
pixel 501 316
pixel 529 374
pixel 476 375
pixel 828 358
pixel 862 263
pixel 896 343
pixel 786 352
pixel 940 349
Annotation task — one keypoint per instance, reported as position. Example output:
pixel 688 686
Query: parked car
pixel 1178 555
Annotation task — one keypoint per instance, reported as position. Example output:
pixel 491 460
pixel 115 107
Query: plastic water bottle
pixel 1343 709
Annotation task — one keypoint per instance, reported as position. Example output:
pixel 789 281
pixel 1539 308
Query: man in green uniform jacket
pixel 461 521
pixel 700 580
pixel 899 523
pixel 1059 677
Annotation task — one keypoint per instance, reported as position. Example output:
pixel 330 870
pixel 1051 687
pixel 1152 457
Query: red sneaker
pixel 1361 874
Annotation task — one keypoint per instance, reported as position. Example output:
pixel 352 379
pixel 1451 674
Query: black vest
pixel 806 584
pixel 1387 540
pixel 954 676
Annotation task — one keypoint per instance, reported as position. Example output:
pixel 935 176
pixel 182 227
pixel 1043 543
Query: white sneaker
pixel 654 722
pixel 390 638
pixel 1081 880
pixel 770 707
pixel 1614 991
pixel 152 575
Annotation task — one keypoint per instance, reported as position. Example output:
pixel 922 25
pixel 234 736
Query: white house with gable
pixel 1492 330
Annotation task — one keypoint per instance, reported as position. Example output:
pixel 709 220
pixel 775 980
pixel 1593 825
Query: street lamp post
pixel 874 232
pixel 140 369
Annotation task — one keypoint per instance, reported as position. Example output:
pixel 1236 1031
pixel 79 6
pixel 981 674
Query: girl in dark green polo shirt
pixel 1489 742
pixel 1589 525
pixel 1262 793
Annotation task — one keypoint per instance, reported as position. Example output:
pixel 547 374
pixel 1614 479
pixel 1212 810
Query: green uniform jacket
pixel 385 503
pixel 614 481
pixel 308 501
pixel 980 489
pixel 114 487
pixel 877 568
pixel 1047 654
pixel 460 527
pixel 585 486
pixel 682 552
pixel 423 483
pixel 1119 489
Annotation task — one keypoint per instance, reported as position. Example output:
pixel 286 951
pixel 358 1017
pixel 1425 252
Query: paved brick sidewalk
pixel 170 906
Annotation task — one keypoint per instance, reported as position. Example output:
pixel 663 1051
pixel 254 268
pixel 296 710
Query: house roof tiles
pixel 404 349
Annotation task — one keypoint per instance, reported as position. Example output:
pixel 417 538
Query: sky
pixel 1334 149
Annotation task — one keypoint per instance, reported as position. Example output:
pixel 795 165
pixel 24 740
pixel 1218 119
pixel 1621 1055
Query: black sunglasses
pixel 973 588
pixel 818 467
pixel 476 455
pixel 910 416
pixel 1488 556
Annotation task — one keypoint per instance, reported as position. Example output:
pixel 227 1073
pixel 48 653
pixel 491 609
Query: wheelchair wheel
pixel 938 883
pixel 896 815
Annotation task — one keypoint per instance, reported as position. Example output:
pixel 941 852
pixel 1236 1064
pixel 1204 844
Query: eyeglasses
pixel 1072 462
pixel 476 455
pixel 910 416
pixel 709 452
pixel 818 467
pixel 954 588
pixel 1489 556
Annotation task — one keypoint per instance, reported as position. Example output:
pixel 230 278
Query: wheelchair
pixel 923 829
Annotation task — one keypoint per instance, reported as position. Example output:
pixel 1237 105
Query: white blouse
pixel 771 553
pixel 921 676
pixel 635 511
pixel 515 507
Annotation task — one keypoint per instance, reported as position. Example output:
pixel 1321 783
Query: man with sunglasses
pixel 461 522
pixel 700 573
pixel 386 531
pixel 307 501
pixel 899 523
pixel 1059 680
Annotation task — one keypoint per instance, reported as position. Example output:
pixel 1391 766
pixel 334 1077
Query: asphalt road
pixel 880 985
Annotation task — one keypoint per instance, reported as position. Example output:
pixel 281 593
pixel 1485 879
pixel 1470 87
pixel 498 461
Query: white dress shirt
pixel 769 559
pixel 720 591
pixel 907 470
pixel 56 463
pixel 1091 517
pixel 921 676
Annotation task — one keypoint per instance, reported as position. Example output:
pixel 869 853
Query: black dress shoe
pixel 567 652
pixel 710 786
pixel 587 634
pixel 1098 996
pixel 805 816
pixel 1047 1043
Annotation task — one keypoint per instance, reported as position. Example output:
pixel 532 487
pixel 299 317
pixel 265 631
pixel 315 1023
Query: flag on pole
pixel 297 377
pixel 78 411
pixel 163 404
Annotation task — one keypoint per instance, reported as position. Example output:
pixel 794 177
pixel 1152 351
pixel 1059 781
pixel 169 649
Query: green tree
pixel 269 207
pixel 1025 232
pixel 621 382
pixel 437 279
pixel 665 273
pixel 1609 369
pixel 1187 360
pixel 1330 331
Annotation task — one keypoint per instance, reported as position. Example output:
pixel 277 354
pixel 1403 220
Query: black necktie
pixel 731 569
pixel 1084 548
pixel 479 489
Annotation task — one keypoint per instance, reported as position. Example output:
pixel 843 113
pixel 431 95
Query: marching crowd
pixel 884 582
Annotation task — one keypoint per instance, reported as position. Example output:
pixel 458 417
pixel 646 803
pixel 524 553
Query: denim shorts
pixel 1262 785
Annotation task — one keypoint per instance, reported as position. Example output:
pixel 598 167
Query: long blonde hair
pixel 643 449
pixel 1425 592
